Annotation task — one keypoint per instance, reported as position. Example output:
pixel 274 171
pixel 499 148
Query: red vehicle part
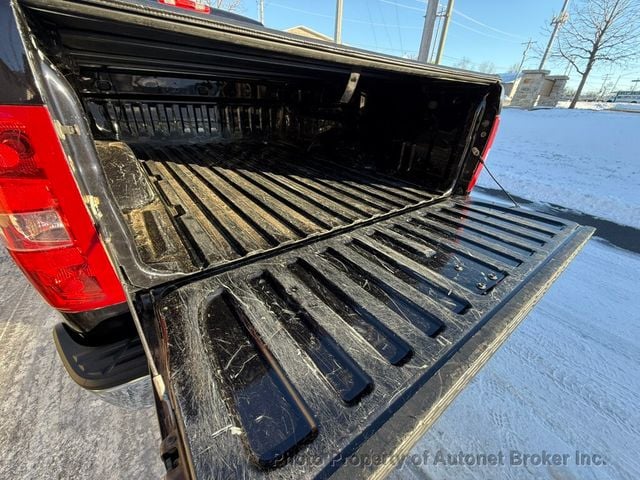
pixel 197 6
pixel 485 153
pixel 45 224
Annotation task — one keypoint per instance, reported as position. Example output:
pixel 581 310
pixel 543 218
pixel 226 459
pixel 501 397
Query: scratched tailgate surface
pixel 283 366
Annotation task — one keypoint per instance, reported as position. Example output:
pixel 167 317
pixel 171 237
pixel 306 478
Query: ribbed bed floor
pixel 227 201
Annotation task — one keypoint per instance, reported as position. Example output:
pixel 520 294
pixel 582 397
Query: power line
pixel 439 18
pixel 294 9
pixel 373 30
pixel 374 24
pixel 386 26
pixel 569 66
pixel 471 19
pixel 478 22
pixel 350 20
pixel 401 5
pixel 399 32
pixel 473 62
pixel 386 30
pixel 484 34
pixel 524 54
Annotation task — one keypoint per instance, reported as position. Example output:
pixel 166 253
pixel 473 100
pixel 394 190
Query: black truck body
pixel 305 276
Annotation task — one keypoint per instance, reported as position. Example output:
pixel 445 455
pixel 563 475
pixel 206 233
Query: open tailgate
pixel 329 357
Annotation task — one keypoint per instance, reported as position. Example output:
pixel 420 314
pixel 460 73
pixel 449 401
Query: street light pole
pixel 261 10
pixel 337 37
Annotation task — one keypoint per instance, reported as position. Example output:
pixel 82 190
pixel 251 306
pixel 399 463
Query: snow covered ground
pixel 585 160
pixel 631 107
pixel 567 380
pixel 49 427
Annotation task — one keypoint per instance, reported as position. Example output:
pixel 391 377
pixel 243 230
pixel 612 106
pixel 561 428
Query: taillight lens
pixel 44 222
pixel 485 152
pixel 16 152
pixel 29 231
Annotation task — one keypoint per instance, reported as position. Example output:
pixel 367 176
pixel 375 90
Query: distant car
pixel 627 97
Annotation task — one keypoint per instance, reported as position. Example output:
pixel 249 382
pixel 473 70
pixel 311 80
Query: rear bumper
pixel 136 394
pixel 116 370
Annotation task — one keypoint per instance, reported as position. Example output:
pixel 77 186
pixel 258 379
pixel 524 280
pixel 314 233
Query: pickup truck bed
pixel 207 204
pixel 312 349
pixel 278 227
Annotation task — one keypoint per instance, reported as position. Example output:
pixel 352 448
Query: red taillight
pixel 485 152
pixel 195 5
pixel 43 219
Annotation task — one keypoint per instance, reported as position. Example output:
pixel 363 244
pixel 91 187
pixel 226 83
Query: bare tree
pixel 513 68
pixel 229 5
pixel 599 31
pixel 487 67
pixel 464 63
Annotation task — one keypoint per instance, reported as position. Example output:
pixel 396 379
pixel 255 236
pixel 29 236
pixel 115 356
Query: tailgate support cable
pixel 517 205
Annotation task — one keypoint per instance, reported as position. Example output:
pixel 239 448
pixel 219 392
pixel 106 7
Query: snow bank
pixel 629 107
pixel 585 160
pixel 587 105
pixel 625 107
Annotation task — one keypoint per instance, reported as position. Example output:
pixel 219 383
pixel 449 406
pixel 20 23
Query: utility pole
pixel 527 46
pixel 622 75
pixel 445 30
pixel 436 33
pixel 427 31
pixel 556 22
pixel 615 85
pixel 261 10
pixel 337 36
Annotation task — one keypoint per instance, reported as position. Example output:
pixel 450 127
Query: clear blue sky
pixel 482 31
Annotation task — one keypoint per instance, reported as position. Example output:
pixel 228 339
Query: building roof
pixel 308 32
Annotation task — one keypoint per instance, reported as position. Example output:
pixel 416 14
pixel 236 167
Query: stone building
pixel 536 88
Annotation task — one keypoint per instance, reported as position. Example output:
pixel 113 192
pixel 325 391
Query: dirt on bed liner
pixel 200 205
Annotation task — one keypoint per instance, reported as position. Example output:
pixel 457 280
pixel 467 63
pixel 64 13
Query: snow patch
pixel 585 160
pixel 635 107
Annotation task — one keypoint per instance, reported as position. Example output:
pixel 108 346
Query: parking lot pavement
pixel 49 427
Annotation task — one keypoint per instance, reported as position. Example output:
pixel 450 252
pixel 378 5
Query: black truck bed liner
pixel 203 205
pixel 283 367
